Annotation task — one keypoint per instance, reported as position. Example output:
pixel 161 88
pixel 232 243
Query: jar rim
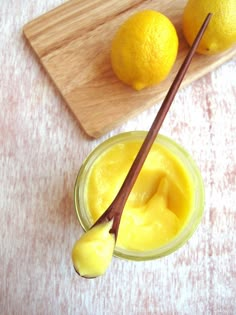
pixel 199 199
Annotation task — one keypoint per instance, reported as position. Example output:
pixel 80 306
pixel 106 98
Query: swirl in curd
pixel 160 202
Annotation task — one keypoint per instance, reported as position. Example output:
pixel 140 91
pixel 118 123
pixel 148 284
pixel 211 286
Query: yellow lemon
pixel 220 34
pixel 144 49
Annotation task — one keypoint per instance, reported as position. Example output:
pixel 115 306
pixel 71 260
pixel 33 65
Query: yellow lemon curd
pixel 92 253
pixel 161 200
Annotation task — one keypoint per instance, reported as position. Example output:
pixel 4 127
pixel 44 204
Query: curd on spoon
pixel 92 253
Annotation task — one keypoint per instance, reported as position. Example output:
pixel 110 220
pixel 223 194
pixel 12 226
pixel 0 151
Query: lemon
pixel 220 34
pixel 144 49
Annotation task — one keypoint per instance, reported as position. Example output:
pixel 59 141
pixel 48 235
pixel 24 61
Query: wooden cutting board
pixel 73 43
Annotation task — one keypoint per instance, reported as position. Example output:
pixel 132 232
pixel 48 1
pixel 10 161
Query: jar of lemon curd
pixel 165 205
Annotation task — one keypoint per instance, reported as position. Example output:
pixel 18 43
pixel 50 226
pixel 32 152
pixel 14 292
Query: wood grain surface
pixel 73 43
pixel 41 150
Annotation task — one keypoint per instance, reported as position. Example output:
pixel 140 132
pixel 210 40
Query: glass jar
pixel 196 213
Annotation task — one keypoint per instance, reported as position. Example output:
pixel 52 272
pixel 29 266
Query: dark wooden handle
pixel 117 206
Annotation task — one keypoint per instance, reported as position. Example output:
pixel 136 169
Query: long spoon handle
pixel 116 208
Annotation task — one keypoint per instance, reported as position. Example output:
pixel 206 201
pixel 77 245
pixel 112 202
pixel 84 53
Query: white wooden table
pixel 41 150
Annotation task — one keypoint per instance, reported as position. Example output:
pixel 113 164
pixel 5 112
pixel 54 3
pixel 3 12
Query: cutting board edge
pixel 97 132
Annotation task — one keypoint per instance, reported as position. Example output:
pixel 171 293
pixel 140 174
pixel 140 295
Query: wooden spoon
pixel 114 211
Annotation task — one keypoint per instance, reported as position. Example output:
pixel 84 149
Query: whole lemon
pixel 220 34
pixel 144 49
